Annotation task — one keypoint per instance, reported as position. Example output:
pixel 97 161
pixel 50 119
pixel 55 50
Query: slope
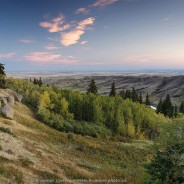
pixel 31 151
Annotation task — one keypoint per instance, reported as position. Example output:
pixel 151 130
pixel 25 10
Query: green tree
pixel 134 95
pixel 2 76
pixel 175 111
pixel 147 101
pixel 40 83
pixel 181 109
pixel 34 81
pixel 167 165
pixel 92 87
pixel 160 106
pixel 113 90
pixel 140 98
pixel 122 94
pixel 64 109
pixel 168 109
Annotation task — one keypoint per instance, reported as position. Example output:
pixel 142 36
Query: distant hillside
pixel 156 85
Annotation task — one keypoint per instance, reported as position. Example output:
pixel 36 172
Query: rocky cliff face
pixel 7 101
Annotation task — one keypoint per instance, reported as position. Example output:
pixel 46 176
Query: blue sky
pixel 59 35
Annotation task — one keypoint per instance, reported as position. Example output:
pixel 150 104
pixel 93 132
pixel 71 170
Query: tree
pixel 134 95
pixel 140 98
pixel 34 81
pixel 113 90
pixel 2 76
pixel 92 87
pixel 44 102
pixel 40 82
pixel 168 108
pixel 147 102
pixel 160 107
pixel 167 165
pixel 175 111
pixel 181 109
pixel 122 94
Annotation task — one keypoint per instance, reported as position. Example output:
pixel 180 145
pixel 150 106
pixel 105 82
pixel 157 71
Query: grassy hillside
pixel 31 150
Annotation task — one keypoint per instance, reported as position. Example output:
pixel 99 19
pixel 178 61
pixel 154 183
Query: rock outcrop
pixel 7 111
pixel 7 101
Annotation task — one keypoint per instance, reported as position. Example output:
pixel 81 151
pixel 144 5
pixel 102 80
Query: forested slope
pixel 89 114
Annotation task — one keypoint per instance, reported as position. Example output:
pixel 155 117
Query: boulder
pixel 18 97
pixel 3 101
pixel 8 111
pixel 11 100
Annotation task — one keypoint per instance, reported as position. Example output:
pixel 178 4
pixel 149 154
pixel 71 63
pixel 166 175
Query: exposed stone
pixel 3 101
pixel 8 111
pixel 11 100
pixel 18 97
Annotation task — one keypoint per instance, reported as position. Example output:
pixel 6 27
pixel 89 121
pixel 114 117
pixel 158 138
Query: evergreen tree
pixel 122 94
pixel 30 80
pixel 175 111
pixel 160 106
pixel 2 76
pixel 134 95
pixel 127 94
pixel 40 82
pixel 140 98
pixel 113 90
pixel 147 102
pixel 168 108
pixel 92 87
pixel 34 81
pixel 181 109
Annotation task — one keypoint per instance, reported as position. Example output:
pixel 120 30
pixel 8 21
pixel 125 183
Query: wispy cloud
pixel 50 58
pixel 26 41
pixel 42 57
pixel 55 25
pixel 102 3
pixel 7 55
pixel 52 47
pixel 82 10
pixel 83 42
pixel 168 18
pixel 73 36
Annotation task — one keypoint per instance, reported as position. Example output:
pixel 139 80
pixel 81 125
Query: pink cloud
pixel 52 47
pixel 55 25
pixel 82 10
pixel 101 3
pixel 73 36
pixel 83 42
pixel 50 58
pixel 7 55
pixel 26 41
pixel 42 57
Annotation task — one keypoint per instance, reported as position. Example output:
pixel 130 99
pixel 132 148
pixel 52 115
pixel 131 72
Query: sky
pixel 91 35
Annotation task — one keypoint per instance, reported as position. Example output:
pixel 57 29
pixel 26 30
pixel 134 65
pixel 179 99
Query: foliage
pixel 98 115
pixel 165 107
pixel 147 102
pixel 92 88
pixel 167 165
pixel 2 76
pixel 113 90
